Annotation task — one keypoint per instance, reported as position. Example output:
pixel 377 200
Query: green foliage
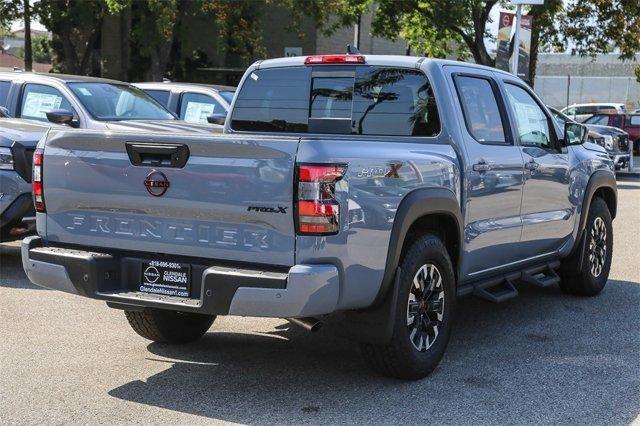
pixel 637 72
pixel 42 50
pixel 10 10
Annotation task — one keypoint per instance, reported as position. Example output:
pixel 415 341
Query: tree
pixel 11 10
pixel 597 26
pixel 28 56
pixel 75 25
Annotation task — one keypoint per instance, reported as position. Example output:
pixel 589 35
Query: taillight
pixel 36 181
pixel 334 59
pixel 318 211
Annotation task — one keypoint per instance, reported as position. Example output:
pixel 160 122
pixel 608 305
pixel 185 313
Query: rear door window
pixel 161 96
pixel 4 92
pixel 480 108
pixel 38 99
pixel 358 100
pixel 196 107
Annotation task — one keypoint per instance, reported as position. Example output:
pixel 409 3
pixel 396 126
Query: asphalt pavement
pixel 543 357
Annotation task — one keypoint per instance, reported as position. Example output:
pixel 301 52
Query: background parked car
pixel 614 140
pixel 580 112
pixel 87 102
pixel 194 103
pixel 18 140
pixel 630 123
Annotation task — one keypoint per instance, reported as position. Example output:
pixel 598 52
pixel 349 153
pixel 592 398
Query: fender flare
pixel 416 204
pixel 599 179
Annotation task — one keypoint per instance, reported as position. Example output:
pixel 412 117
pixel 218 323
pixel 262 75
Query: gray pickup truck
pixel 375 188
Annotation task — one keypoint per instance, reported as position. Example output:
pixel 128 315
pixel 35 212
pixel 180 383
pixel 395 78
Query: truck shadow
pixel 544 357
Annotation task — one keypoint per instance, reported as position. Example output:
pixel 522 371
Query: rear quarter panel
pixel 380 173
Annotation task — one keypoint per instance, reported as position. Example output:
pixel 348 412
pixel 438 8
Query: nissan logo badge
pixel 156 183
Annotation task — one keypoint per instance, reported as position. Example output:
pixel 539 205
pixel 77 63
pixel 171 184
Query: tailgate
pixel 232 199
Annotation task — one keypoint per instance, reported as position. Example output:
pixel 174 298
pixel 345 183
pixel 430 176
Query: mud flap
pixel 374 325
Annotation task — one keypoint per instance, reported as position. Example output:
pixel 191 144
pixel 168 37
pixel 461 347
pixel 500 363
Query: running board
pixel 501 288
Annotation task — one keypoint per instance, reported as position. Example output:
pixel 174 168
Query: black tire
pixel 401 358
pixel 165 326
pixel 588 280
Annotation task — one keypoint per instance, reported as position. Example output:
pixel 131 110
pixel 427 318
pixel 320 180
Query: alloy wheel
pixel 598 247
pixel 425 307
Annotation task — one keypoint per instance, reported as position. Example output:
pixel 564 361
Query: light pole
pixel 516 35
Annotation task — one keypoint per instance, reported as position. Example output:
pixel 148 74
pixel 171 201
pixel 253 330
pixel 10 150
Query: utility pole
pixel 28 58
pixel 356 33
pixel 516 38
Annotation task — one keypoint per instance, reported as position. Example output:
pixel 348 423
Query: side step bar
pixel 496 291
pixel 541 276
pixel 501 288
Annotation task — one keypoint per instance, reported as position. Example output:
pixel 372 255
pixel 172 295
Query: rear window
pixel 358 100
pixel 587 109
pixel 4 92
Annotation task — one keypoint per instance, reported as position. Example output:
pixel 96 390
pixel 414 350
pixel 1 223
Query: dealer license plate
pixel 167 278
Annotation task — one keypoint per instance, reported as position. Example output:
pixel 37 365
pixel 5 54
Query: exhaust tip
pixel 310 324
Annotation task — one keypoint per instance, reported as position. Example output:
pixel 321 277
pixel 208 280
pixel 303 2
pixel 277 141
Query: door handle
pixel 481 166
pixel 531 165
pixel 157 154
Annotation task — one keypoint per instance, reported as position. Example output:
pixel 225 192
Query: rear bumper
pixel 300 291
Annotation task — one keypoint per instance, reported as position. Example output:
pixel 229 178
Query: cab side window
pixel 634 120
pixel 38 99
pixel 196 107
pixel 532 122
pixel 480 108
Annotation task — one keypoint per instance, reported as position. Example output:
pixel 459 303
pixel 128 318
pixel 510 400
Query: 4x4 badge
pixel 156 183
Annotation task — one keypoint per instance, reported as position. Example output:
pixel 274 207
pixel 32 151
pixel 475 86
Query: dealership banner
pixel 505 28
pixel 504 37
pixel 525 47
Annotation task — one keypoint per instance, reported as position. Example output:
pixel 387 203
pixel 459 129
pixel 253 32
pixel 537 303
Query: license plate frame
pixel 165 278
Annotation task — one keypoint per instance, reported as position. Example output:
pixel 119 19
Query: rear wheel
pixel 424 313
pixel 164 326
pixel 592 276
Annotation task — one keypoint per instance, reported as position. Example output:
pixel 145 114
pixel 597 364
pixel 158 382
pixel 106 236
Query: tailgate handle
pixel 158 154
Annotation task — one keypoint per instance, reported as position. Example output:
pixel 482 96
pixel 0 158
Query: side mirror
pixel 575 134
pixel 217 118
pixel 63 116
pixel 4 112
